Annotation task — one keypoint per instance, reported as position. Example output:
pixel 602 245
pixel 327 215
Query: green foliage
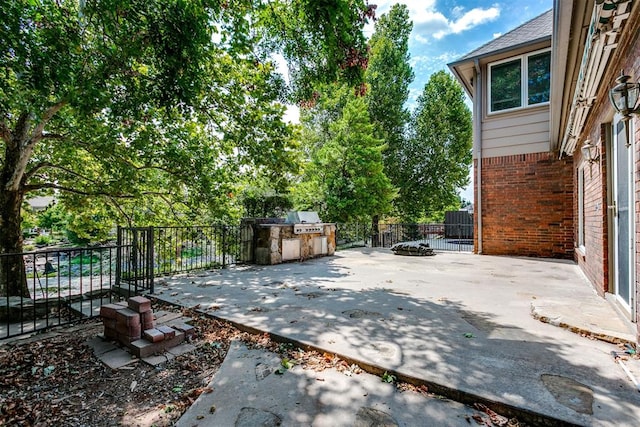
pixel 158 110
pixel 265 198
pixel 29 219
pixel 437 156
pixel 345 180
pixel 53 217
pixel 389 75
pixel 42 239
pixel 388 378
pixel 314 31
pixel 285 365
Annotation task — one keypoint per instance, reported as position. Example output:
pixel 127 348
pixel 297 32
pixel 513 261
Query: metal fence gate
pixel 135 260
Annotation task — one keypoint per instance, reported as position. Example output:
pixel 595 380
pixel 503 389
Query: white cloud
pixel 428 21
pixel 496 35
pixel 470 19
pixel 420 39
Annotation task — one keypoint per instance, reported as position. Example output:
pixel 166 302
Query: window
pixel 520 82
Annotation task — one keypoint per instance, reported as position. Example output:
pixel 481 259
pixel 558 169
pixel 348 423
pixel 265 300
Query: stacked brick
pixel 132 324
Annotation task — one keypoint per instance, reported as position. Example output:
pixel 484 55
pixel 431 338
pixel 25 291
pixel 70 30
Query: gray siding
pixel 522 132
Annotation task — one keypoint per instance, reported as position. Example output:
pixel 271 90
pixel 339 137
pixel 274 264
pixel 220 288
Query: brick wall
pixel 593 257
pixel 596 260
pixel 527 206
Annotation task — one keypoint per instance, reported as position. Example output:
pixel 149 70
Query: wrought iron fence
pixel 152 251
pixel 39 290
pixel 443 236
pixel 43 289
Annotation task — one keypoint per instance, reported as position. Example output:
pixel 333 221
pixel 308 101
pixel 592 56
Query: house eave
pixel 596 43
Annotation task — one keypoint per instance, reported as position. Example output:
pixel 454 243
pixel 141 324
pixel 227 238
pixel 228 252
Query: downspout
pixel 477 143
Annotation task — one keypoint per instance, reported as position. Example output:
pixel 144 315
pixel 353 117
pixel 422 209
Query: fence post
pixel 150 259
pixel 224 246
pixel 134 260
pixel 118 256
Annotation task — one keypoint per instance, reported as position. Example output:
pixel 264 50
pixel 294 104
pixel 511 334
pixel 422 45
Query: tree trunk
pixel 13 280
pixel 375 228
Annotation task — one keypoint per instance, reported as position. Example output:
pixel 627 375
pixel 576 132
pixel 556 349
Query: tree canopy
pixel 437 155
pixel 345 179
pixel 389 75
pixel 113 102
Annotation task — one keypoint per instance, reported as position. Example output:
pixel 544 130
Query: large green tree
pixel 118 100
pixel 436 158
pixel 345 179
pixel 389 75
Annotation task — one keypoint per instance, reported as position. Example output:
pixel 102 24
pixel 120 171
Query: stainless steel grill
pixel 305 222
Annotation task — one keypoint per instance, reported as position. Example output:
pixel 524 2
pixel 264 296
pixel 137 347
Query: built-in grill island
pixel 298 237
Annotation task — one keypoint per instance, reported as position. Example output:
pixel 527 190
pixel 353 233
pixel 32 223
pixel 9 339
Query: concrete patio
pixel 461 323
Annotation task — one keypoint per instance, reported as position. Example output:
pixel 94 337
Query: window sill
pixel 523 110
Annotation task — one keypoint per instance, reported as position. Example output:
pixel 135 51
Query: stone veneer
pixel 269 239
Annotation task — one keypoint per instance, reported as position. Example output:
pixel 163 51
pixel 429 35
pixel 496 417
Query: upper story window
pixel 520 82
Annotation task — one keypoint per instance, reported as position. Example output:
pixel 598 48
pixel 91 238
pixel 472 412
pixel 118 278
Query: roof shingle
pixel 538 28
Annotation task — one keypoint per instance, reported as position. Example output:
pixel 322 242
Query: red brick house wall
pixel 527 206
pixel 595 259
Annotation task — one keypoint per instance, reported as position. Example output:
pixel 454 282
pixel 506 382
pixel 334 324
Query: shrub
pixel 42 240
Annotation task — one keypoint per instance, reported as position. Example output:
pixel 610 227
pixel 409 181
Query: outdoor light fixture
pixel 624 96
pixel 590 152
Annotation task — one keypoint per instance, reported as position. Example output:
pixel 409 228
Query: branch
pixel 122 212
pixel 38 131
pixel 53 136
pixel 52 186
pixel 173 211
pixel 49 185
pixel 87 147
pixel 24 143
pixel 30 174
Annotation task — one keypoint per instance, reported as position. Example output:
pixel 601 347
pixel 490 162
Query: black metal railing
pixel 42 289
pixel 148 252
pixel 442 236
pixel 39 290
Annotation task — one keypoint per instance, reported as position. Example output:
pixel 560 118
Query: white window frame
pixel 524 86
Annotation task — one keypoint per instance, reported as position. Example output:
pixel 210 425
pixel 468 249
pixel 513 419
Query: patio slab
pixel 457 321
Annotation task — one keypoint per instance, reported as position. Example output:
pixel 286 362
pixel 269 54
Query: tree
pixel 389 75
pixel 345 180
pixel 157 98
pixel 436 158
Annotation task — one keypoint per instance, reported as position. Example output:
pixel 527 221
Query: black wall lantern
pixel 590 152
pixel 624 98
